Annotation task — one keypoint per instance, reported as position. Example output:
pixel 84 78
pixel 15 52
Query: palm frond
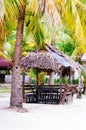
pixel 36 28
pixel 11 13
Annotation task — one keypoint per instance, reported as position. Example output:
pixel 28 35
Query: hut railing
pixel 42 94
pixel 48 93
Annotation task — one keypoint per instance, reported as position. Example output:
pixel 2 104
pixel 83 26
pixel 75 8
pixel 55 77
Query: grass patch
pixel 4 90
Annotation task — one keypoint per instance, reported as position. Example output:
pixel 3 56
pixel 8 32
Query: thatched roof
pixel 49 59
pixel 74 65
pixel 41 60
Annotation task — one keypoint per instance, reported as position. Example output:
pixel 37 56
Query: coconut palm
pixel 16 91
pixel 11 17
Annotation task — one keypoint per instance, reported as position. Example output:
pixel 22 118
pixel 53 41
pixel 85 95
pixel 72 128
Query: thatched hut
pixel 50 60
pixel 5 66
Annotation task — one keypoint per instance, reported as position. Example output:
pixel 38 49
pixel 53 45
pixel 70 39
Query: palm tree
pixel 8 20
pixel 16 92
pixel 9 16
pixel 36 25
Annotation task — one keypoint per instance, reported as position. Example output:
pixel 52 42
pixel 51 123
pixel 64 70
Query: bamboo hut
pixel 50 60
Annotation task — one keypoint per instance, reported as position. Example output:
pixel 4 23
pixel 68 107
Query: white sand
pixel 44 116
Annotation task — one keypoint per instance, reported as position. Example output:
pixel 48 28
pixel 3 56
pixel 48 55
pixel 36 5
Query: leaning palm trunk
pixel 16 91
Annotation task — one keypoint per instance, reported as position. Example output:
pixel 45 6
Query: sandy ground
pixel 44 116
pixel 5 84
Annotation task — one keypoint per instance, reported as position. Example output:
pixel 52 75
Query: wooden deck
pixel 47 94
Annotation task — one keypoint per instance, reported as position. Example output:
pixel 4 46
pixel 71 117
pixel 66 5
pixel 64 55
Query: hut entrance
pixel 37 92
pixel 41 91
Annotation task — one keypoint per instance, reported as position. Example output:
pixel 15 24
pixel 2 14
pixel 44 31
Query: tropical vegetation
pixel 28 24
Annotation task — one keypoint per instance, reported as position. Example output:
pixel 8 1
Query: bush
pixel 46 80
pixel 57 81
pixel 76 81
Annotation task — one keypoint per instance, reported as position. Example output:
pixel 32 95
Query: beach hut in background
pixel 5 66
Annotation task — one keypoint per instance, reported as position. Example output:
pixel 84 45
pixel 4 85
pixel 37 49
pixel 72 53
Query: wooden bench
pixel 69 91
pixel 48 94
pixel 68 98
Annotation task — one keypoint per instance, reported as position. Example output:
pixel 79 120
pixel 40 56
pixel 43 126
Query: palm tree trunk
pixel 16 91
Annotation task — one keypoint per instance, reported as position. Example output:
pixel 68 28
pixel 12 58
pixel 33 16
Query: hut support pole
pixel 80 86
pixel 51 81
pixel 61 87
pixel 72 77
pixel 37 93
pixel 23 83
pixel 37 77
pixel 69 76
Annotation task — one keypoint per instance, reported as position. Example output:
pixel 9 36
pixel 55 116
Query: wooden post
pixel 51 81
pixel 37 77
pixel 69 75
pixel 80 86
pixel 37 92
pixel 72 77
pixel 61 86
pixel 23 83
pixel 23 78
